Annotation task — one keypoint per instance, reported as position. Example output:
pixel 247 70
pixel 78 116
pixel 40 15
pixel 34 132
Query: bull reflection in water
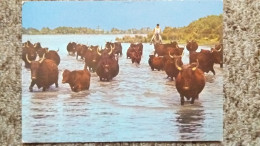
pixel 190 123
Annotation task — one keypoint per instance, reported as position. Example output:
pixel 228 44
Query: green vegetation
pixel 133 39
pixel 206 30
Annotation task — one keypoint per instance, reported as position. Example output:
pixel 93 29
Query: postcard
pixel 122 71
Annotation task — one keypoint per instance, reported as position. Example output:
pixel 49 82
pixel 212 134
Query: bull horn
pixel 177 66
pixel 43 57
pixel 170 55
pixel 111 50
pixel 58 50
pixel 98 51
pixel 194 68
pixel 34 45
pixel 28 59
pixel 219 49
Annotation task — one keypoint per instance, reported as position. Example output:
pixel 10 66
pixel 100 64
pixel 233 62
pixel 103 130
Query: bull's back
pixel 48 72
pixel 53 55
pixel 82 78
pixel 157 62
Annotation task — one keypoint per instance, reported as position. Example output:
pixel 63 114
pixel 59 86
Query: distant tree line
pixel 206 30
pixel 83 30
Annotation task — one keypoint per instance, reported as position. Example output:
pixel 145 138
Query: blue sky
pixel 117 14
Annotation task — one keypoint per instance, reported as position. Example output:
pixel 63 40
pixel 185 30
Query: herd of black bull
pixel 190 79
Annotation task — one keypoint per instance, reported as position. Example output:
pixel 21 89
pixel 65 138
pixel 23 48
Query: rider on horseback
pixel 156 34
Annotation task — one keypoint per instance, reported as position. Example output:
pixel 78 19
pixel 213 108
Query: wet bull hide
pixel 156 62
pixel 190 81
pixel 169 67
pixel 80 48
pixel 117 47
pixel 217 53
pixel 44 73
pixel 163 49
pixel 192 46
pixel 108 66
pixel 78 79
pixel 71 48
pixel 206 60
pixel 91 58
pixel 134 48
pixel 53 55
pixel 135 52
pixel 29 51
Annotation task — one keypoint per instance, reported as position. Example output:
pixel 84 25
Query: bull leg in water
pixel 182 99
pixel 193 99
pixel 212 70
pixel 56 84
pixel 31 86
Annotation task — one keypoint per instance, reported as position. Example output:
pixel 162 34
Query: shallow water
pixel 137 105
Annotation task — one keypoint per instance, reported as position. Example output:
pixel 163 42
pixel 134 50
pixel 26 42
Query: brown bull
pixel 44 73
pixel 91 58
pixel 134 48
pixel 190 81
pixel 28 44
pixel 78 79
pixel 156 62
pixel 37 46
pixel 28 50
pixel 117 47
pixel 169 67
pixel 53 55
pixel 108 66
pixel 42 51
pixel 192 46
pixel 80 49
pixel 217 53
pixel 163 49
pixel 206 60
pixel 71 48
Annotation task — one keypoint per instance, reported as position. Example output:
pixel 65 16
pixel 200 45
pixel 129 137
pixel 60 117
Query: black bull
pixel 108 66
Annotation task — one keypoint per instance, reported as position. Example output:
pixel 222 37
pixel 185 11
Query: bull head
pixel 174 56
pixel 111 49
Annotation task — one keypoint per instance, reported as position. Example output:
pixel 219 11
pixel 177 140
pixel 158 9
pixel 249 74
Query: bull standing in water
pixel 44 73
pixel 108 66
pixel 190 81
pixel 78 79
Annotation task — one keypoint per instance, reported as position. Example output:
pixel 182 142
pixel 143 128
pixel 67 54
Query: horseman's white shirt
pixel 157 30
